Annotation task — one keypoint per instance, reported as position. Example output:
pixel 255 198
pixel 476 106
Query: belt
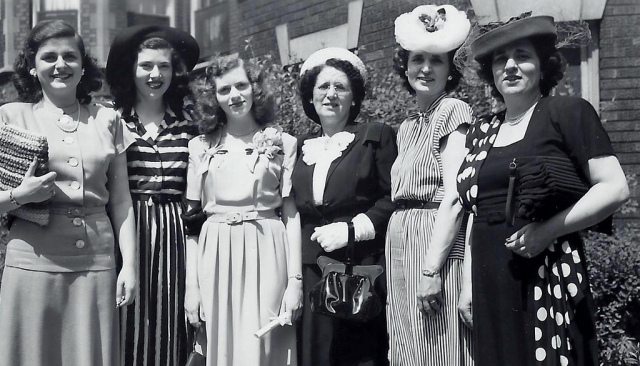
pixel 492 217
pixel 76 211
pixel 156 197
pixel 234 218
pixel 409 204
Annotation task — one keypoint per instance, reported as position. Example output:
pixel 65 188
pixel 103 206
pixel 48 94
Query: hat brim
pixel 523 28
pixel 126 44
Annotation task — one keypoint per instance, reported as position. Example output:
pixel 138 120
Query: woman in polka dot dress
pixel 531 299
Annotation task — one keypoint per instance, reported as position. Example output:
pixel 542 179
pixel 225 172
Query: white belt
pixel 234 218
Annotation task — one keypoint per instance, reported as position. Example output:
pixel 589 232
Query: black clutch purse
pixel 346 291
pixel 18 147
pixel 541 186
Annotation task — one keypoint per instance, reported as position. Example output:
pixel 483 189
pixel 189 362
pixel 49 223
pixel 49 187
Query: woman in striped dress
pixel 425 240
pixel 148 70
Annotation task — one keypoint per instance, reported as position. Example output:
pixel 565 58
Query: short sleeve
pixel 457 113
pixel 115 127
pixel 194 180
pixel 289 145
pixel 583 134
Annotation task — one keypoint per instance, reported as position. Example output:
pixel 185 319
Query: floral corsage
pixel 268 141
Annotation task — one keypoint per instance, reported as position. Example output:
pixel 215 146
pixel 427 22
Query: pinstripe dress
pixel 417 175
pixel 153 328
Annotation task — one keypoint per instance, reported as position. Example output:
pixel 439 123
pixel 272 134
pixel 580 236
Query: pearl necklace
pixel 512 121
pixel 244 134
pixel 66 122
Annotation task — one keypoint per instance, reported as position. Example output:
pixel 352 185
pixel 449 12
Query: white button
pixel 68 140
pixel 75 185
pixel 77 221
pixel 73 162
pixel 80 244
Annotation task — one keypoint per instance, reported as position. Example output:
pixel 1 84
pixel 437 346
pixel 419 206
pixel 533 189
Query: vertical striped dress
pixel 153 328
pixel 417 175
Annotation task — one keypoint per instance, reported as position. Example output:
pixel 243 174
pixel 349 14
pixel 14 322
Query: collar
pixel 423 115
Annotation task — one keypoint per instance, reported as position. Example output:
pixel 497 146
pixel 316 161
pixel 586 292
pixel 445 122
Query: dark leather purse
pixel 346 291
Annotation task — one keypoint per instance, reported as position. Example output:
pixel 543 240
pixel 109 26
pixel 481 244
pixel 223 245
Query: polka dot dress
pixel 527 311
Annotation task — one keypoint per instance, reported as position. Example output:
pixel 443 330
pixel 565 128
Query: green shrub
pixel 614 270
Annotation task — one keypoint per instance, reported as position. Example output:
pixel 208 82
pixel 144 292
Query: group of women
pixel 220 216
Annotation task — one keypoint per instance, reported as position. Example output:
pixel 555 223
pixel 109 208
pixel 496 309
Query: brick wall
pixel 620 85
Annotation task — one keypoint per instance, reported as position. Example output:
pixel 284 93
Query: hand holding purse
pixel 346 291
pixel 18 148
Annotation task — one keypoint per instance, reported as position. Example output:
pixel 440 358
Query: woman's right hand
pixel 464 306
pixel 35 189
pixel 192 305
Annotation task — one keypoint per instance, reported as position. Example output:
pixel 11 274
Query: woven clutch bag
pixel 18 147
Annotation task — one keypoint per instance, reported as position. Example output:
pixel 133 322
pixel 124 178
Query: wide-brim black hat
pixel 512 31
pixel 126 43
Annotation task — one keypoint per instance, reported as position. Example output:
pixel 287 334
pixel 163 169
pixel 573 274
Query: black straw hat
pixel 126 43
pixel 511 31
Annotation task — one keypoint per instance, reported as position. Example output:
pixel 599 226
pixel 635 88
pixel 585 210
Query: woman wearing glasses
pixel 341 182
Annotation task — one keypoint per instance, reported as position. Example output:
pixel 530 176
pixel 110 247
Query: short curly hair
pixel 210 114
pixel 122 81
pixel 28 87
pixel 552 66
pixel 308 82
pixel 401 59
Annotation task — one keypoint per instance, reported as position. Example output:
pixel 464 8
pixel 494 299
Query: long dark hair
pixel 28 87
pixel 122 84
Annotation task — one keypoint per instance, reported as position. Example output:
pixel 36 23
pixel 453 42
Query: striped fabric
pixel 417 175
pixel 154 328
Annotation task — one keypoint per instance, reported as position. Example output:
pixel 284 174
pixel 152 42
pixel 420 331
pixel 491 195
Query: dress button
pixel 80 244
pixel 77 221
pixel 68 140
pixel 75 185
pixel 73 162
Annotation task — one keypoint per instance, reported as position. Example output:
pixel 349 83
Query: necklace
pixel 512 121
pixel 244 134
pixel 67 124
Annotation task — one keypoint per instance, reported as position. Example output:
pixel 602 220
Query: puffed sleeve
pixel 116 128
pixel 289 146
pixel 457 113
pixel 582 132
pixel 194 180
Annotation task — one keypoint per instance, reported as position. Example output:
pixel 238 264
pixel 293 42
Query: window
pixel 212 29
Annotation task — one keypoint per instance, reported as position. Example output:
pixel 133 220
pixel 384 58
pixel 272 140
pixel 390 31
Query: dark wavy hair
pixel 210 114
pixel 552 66
pixel 308 82
pixel 28 87
pixel 122 81
pixel 401 59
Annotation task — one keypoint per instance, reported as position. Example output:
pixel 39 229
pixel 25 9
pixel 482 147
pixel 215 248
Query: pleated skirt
pixel 242 274
pixel 154 328
pixel 58 319
pixel 415 339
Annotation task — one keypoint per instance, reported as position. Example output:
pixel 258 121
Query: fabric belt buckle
pixel 75 212
pixel 234 218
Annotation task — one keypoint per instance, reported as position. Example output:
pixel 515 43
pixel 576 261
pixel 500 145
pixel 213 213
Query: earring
pixel 82 72
pixel 449 77
pixel 406 73
pixel 353 104
pixel 32 72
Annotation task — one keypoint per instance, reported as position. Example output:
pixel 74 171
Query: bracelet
pixel 12 199
pixel 297 277
pixel 430 273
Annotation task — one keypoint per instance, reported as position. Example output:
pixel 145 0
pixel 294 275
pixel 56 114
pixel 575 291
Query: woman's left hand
pixel 429 294
pixel 292 299
pixel 126 286
pixel 530 241
pixel 332 236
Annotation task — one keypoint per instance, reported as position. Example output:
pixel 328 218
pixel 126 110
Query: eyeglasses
pixel 338 89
